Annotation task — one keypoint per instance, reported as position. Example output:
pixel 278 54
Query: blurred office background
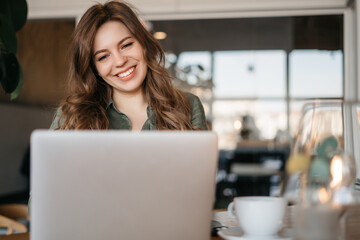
pixel 253 63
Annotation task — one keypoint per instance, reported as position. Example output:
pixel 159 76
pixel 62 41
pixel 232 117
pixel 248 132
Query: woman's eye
pixel 102 58
pixel 127 45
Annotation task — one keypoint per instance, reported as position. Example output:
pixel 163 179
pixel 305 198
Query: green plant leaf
pixel 9 71
pixel 16 93
pixel 16 11
pixel 7 34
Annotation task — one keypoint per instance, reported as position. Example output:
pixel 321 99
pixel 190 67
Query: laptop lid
pixel 122 185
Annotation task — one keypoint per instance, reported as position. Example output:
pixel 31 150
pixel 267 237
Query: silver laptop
pixel 88 185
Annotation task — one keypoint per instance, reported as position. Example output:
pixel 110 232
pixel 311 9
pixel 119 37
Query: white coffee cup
pixel 258 216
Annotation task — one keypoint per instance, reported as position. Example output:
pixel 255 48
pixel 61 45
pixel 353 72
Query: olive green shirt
pixel 118 120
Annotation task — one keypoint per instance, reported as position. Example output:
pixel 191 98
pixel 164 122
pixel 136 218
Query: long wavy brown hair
pixel 85 107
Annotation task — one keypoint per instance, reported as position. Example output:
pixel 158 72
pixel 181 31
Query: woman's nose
pixel 120 60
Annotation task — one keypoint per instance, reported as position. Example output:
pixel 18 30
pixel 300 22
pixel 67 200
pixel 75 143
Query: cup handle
pixel 231 210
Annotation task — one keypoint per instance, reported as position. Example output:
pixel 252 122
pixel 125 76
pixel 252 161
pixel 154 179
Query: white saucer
pixel 235 233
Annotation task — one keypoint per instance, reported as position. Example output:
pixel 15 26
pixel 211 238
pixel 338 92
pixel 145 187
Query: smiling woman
pixel 118 62
pixel 117 78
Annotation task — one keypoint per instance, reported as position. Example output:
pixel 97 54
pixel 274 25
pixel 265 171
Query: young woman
pixel 117 78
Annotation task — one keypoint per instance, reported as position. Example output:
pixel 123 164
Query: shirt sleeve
pixel 197 112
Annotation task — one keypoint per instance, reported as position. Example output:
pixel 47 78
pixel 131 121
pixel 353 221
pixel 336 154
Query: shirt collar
pixel 148 109
pixel 111 101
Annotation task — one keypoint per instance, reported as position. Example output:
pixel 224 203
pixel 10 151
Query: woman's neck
pixel 129 101
pixel 133 106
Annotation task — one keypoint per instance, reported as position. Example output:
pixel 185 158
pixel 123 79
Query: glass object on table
pixel 320 136
pixel 320 173
pixel 318 122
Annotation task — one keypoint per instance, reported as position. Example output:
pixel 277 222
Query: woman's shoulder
pixel 191 98
pixel 197 111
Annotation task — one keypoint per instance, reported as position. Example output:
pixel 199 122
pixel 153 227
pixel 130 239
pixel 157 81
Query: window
pixel 266 68
pixel 316 73
pixel 241 74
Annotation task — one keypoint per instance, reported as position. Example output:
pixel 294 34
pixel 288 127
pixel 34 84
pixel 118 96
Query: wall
pixel 42 52
pixel 16 125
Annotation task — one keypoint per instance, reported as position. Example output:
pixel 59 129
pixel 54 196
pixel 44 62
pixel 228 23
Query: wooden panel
pixel 288 33
pixel 42 50
pixel 318 32
pixel 226 34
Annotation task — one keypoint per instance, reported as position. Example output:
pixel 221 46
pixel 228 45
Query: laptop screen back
pixel 122 185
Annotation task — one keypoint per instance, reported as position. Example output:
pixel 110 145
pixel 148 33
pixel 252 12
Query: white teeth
pixel 124 74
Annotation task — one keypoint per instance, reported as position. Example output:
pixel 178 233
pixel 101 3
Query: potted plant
pixel 13 15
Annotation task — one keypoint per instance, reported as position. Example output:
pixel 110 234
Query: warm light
pixel 160 35
pixel 237 124
pixel 336 169
pixel 323 195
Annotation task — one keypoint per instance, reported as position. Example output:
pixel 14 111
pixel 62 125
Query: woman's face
pixel 119 58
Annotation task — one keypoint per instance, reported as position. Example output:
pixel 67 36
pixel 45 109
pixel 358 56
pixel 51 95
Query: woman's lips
pixel 126 75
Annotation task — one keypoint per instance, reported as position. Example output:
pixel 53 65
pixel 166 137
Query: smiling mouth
pixel 126 73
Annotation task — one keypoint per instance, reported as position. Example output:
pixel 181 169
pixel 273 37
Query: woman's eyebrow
pixel 119 43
